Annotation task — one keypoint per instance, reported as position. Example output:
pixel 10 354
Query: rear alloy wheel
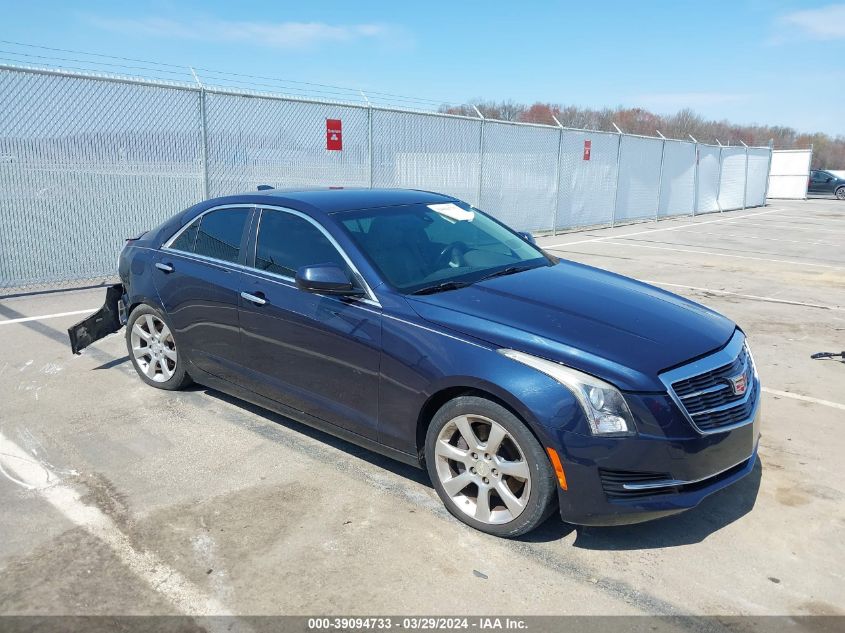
pixel 488 468
pixel 840 193
pixel 152 349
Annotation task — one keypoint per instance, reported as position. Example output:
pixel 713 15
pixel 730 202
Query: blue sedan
pixel 413 324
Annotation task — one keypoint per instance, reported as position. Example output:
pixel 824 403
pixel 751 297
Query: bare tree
pixel 828 151
pixel 510 110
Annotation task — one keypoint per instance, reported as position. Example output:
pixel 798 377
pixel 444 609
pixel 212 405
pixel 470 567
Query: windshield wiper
pixel 446 285
pixel 510 270
pixel 451 285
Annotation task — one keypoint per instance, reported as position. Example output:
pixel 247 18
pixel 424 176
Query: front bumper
pixel 617 481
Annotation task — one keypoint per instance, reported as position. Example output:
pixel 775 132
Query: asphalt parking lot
pixel 121 499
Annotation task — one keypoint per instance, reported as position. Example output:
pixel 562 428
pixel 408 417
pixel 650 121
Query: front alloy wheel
pixel 488 468
pixel 482 469
pixel 840 193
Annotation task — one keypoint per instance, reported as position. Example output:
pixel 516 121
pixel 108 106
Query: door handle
pixel 168 268
pixel 254 299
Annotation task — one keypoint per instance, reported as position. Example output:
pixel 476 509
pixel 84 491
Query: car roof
pixel 312 201
pixel 335 199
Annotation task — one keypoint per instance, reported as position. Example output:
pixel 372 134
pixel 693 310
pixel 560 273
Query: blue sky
pixel 765 61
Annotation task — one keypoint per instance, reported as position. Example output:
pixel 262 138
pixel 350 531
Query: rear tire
pixel 488 468
pixel 152 350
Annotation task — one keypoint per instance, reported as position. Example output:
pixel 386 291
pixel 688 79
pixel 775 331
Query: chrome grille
pixel 705 392
pixel 712 389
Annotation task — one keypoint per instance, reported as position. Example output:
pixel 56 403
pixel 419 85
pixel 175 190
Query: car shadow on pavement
pixel 693 526
pixel 113 363
pixel 403 470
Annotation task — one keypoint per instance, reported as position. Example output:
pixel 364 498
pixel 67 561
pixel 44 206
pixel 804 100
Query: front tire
pixel 488 468
pixel 152 349
pixel 840 193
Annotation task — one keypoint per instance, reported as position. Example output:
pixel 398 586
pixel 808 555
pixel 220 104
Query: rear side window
pixel 219 234
pixel 187 238
pixel 286 242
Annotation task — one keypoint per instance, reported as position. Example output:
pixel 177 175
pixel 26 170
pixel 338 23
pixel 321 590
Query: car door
pixel 198 277
pixel 828 182
pixel 812 182
pixel 315 353
pixel 820 182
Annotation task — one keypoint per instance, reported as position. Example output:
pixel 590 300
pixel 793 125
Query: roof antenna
pixel 265 187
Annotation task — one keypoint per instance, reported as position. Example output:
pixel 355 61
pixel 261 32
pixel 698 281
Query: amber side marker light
pixel 561 477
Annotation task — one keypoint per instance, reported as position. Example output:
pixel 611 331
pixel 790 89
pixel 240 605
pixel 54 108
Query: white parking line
pixel 824 220
pixel 35 475
pixel 761 259
pixel 746 236
pixel 790 227
pixel 798 396
pixel 667 228
pixel 745 296
pixel 46 316
pixel 809 220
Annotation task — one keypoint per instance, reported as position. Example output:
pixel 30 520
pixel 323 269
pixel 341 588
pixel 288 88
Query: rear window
pixel 187 238
pixel 217 235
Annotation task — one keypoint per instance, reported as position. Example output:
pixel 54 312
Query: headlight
pixel 603 404
pixel 751 358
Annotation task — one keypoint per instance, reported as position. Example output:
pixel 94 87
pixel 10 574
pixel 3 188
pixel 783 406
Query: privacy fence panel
pixel 434 153
pixel 253 141
pixel 519 175
pixel 758 172
pixel 587 183
pixel 677 182
pixel 87 161
pixel 789 173
pixel 709 171
pixel 732 185
pixel 84 164
pixel 639 178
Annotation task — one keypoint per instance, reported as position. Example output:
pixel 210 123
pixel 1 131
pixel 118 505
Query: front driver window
pixel 287 242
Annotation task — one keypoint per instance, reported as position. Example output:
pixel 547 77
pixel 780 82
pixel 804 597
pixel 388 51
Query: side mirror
pixel 829 179
pixel 327 279
pixel 528 237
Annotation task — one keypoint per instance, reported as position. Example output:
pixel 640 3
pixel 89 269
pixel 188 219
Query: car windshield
pixel 423 248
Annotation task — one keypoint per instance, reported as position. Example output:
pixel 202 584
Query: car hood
pixel 602 323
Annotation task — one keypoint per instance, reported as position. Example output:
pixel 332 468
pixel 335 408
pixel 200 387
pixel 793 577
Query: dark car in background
pixel 825 183
pixel 413 324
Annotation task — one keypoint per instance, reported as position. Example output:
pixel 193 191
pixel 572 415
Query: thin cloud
pixel 288 35
pixel 824 23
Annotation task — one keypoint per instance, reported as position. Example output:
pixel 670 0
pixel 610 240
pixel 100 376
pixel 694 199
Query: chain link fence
pixel 87 161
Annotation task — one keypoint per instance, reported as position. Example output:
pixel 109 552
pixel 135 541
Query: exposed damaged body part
pixel 416 325
pixel 107 320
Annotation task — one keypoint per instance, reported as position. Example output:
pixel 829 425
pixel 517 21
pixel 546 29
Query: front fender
pixel 419 362
pixel 545 408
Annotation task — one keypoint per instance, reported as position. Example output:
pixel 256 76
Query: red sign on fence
pixel 588 145
pixel 334 134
